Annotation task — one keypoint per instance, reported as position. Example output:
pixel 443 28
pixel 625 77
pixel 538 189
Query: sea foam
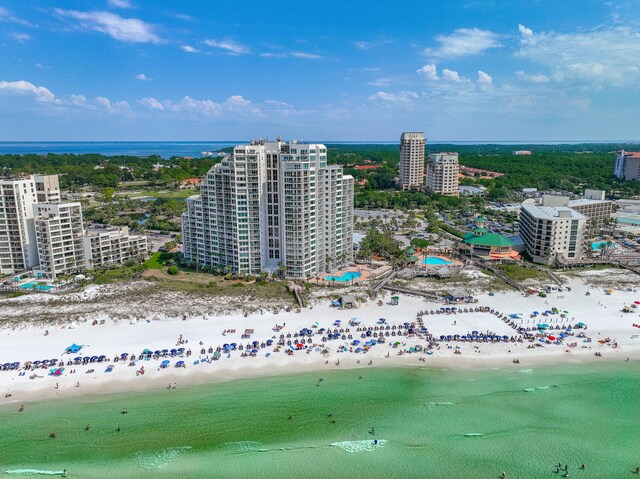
pixel 159 459
pixel 359 446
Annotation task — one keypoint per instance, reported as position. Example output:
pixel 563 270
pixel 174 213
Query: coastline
pixel 204 330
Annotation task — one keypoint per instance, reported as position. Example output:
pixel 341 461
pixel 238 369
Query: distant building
pixel 442 174
pixel 552 232
pixel 479 172
pixel 411 163
pixel 595 207
pixel 472 190
pixel 627 165
pixel 522 152
pixel 114 247
pixel 272 206
pixel 190 184
pixel 59 236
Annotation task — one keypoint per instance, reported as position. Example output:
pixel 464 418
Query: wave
pixel 243 446
pixel 159 459
pixel 359 446
pixel 473 434
pixel 33 472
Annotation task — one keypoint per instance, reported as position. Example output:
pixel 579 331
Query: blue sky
pixel 475 70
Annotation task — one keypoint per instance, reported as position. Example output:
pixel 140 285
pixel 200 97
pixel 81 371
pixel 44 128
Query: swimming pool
pixel 434 260
pixel 596 246
pixel 34 284
pixel 348 276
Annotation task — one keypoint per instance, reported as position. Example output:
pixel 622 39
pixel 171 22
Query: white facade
pixel 627 165
pixel 272 206
pixel 442 174
pixel 113 247
pixel 552 232
pixel 411 163
pixel 59 236
pixel 18 250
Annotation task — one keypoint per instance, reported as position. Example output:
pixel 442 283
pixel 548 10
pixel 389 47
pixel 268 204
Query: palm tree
pixel 328 259
pixel 282 269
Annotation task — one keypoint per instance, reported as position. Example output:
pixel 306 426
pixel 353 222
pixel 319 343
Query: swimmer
pixel 21 408
pixel 86 428
pixel 118 429
pixel 125 410
pixel 64 473
pixel 52 435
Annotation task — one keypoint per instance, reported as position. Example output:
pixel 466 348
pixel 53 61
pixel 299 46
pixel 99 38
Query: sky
pixel 467 70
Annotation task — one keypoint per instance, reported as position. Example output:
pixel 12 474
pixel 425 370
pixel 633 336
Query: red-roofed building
pixel 367 167
pixel 627 165
pixel 190 184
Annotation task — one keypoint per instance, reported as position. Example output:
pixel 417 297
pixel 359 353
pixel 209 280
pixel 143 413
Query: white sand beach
pixel 609 331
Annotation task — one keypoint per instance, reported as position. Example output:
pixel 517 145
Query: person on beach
pixel 64 473
pixel 21 408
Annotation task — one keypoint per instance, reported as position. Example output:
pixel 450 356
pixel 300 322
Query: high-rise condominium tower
pixel 272 206
pixel 412 161
pixel 442 174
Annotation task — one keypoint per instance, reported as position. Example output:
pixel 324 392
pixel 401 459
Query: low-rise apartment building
pixel 114 247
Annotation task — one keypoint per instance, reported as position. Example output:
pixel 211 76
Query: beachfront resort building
pixel 59 237
pixel 442 174
pixel 411 163
pixel 272 206
pixel 552 233
pixel 627 165
pixel 39 233
pixel 18 250
pixel 111 247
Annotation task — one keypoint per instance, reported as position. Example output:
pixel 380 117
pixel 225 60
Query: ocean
pixel 427 423
pixel 167 149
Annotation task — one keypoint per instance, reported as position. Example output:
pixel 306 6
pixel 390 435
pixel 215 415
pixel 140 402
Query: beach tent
pixel 73 349
pixel 348 301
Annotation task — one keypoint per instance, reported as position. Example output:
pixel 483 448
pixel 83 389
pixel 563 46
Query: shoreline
pixel 609 332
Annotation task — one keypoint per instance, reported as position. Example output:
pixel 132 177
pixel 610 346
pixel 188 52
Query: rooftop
pixel 489 239
pixel 552 213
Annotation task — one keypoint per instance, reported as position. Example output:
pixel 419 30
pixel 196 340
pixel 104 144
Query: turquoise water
pixel 629 221
pixel 596 246
pixel 348 276
pixel 428 423
pixel 34 284
pixel 434 260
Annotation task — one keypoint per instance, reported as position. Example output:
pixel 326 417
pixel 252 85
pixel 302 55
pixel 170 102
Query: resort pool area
pixel 348 276
pixel 434 260
pixel 596 246
pixel 37 286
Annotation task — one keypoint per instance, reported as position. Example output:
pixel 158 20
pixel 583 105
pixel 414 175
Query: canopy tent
pixel 73 349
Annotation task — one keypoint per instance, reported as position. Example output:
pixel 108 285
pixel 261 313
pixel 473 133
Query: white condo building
pixel 411 163
pixel 59 236
pixel 39 233
pixel 552 232
pixel 442 174
pixel 112 247
pixel 627 165
pixel 18 250
pixel 272 206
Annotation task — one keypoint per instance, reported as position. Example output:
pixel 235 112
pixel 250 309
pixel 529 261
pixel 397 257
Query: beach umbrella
pixel 179 364
pixel 581 324
pixel 256 342
pixel 269 342
pixel 355 341
pixel 505 337
pixel 552 338
pixel 254 351
pixel 35 362
pixel 166 362
pixel 157 352
pixel 441 337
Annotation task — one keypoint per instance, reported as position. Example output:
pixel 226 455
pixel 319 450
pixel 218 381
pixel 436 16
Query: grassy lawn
pixel 520 273
pixel 111 276
pixel 178 194
pixel 156 260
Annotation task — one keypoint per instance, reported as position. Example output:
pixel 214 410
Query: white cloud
pixel 142 76
pixel 533 78
pixel 429 71
pixel 229 46
pixel 306 55
pixel 23 87
pixel 152 103
pixel 235 105
pixel 453 76
pixel 7 16
pixel 598 58
pixel 120 3
pixel 112 107
pixel 402 98
pixel 464 42
pixel 189 49
pixel 364 45
pixel 21 37
pixel 123 29
pixel 297 54
pixel 484 78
